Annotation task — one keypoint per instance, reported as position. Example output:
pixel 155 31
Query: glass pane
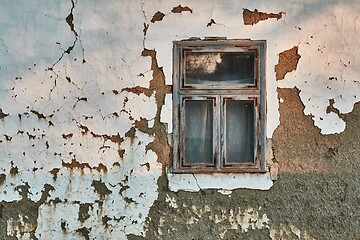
pixel 198 132
pixel 219 68
pixel 239 135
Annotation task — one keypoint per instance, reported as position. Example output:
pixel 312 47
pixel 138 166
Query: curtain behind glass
pixel 198 132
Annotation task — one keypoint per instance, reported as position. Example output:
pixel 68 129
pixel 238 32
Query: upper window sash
pixel 214 67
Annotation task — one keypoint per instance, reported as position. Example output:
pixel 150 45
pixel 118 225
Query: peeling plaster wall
pixel 86 114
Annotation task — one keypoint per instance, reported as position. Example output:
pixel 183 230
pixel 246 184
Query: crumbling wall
pixel 86 118
pixel 78 153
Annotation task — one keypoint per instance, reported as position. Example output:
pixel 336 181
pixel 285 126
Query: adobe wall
pixel 86 120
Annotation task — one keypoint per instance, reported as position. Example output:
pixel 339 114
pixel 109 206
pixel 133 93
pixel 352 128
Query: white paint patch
pixel 244 219
pixel 329 123
pixel 171 201
pixel 19 227
pixel 166 112
pixel 64 215
pixel 141 106
pixel 287 231
pixel 227 182
pixel 225 192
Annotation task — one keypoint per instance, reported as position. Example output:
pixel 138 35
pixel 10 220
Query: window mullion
pixel 222 128
pixel 218 131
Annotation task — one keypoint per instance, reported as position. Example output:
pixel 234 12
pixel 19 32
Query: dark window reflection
pixel 225 68
pixel 239 132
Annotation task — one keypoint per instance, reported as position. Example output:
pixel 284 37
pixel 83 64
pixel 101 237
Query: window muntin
pixel 238 107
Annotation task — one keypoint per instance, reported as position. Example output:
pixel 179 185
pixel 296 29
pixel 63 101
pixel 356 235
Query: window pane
pixel 219 68
pixel 239 132
pixel 198 132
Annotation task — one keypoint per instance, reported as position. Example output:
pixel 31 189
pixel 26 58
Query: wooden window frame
pixel 255 92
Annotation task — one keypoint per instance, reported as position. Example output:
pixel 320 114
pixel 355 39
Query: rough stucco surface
pixel 86 111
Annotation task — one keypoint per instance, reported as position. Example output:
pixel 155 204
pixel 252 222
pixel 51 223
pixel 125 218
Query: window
pixel 219 106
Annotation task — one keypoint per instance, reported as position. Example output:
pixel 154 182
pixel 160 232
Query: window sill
pixel 225 183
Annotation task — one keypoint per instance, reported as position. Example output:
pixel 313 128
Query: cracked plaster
pixel 67 74
pixel 226 183
pixel 61 94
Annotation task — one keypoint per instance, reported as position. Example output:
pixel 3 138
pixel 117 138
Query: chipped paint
pixel 227 182
pixel 288 61
pixel 244 219
pixel 171 201
pixel 158 16
pixel 289 232
pixel 86 117
pixel 253 17
pixel 180 9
